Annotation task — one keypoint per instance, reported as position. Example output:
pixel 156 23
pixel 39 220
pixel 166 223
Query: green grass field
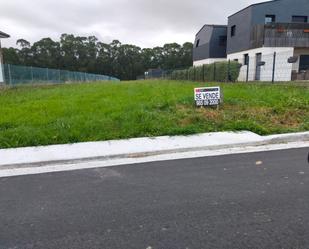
pixel 43 115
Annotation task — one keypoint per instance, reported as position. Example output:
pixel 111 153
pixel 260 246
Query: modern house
pixel 266 36
pixel 2 35
pixel 210 45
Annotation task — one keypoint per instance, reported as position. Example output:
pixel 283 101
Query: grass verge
pixel 43 115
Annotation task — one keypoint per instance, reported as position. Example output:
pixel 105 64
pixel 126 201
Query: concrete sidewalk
pixel 142 147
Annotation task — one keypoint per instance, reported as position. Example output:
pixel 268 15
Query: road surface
pixel 256 200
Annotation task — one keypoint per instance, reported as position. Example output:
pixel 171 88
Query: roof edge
pixel 252 5
pixel 4 35
pixel 211 25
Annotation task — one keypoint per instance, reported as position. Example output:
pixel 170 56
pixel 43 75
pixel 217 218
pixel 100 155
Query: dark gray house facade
pixel 258 31
pixel 253 24
pixel 2 35
pixel 210 44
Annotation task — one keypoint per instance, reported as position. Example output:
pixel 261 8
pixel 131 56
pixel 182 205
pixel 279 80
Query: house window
pixel 246 59
pixel 233 30
pixel 300 19
pixel 197 43
pixel 222 41
pixel 270 19
pixel 304 63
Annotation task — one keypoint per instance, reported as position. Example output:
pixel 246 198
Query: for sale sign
pixel 207 96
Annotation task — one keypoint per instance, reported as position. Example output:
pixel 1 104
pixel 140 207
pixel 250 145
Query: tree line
pixel 88 54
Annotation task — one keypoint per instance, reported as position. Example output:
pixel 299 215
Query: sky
pixel 146 23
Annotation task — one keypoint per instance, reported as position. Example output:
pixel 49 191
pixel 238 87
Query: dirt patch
pixel 290 119
pixel 210 114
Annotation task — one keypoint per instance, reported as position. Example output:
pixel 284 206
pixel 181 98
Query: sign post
pixel 207 96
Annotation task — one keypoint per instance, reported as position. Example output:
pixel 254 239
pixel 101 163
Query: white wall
pixel 207 61
pixel 283 70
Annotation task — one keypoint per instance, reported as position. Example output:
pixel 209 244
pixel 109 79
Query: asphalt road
pixel 258 200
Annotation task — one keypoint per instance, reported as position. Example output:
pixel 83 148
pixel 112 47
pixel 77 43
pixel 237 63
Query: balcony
pixel 280 35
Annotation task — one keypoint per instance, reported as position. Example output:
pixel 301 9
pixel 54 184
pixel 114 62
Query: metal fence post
pixel 194 73
pixel 248 64
pixel 31 70
pixel 274 67
pixel 229 71
pixel 203 72
pixel 47 76
pixel 10 74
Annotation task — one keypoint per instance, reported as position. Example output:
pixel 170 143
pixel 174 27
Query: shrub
pixel 219 71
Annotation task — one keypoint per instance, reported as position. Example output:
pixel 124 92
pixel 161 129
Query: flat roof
pixel 211 25
pixel 3 35
pixel 255 4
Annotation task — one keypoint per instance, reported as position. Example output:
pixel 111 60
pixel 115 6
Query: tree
pixel 25 54
pixel 23 43
pixel 46 53
pixel 186 55
pixel 10 56
pixel 68 52
pixel 87 54
pixel 104 59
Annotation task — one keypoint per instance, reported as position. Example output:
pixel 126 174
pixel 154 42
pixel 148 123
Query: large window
pixel 233 30
pixel 270 19
pixel 304 63
pixel 300 19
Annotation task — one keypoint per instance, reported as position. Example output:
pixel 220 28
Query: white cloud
pixel 146 23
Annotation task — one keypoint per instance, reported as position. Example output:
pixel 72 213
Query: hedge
pixel 219 71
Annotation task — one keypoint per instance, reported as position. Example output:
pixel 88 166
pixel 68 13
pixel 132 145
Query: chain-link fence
pixel 14 75
pixel 265 64
pixel 226 71
pixel 153 74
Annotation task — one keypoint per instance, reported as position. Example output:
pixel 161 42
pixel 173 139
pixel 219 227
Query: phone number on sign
pixel 207 102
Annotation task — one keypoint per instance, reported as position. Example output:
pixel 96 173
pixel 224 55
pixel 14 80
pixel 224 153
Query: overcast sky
pixel 146 23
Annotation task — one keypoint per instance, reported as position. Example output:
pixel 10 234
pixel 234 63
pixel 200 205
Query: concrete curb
pixel 287 138
pixel 138 148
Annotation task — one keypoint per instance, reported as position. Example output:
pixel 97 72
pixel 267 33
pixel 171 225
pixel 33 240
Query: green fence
pixel 34 75
pixel 218 71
